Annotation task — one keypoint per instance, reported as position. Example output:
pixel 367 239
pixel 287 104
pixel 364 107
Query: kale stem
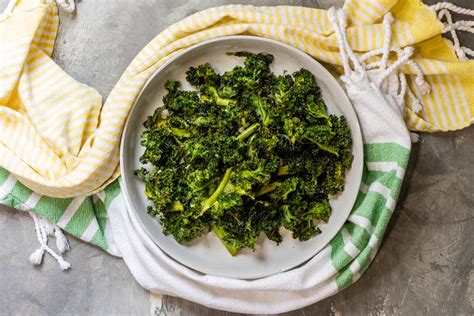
pixel 282 171
pixel 221 235
pixel 213 198
pixel 178 132
pixel 327 148
pixel 177 206
pixel 249 131
pixel 268 188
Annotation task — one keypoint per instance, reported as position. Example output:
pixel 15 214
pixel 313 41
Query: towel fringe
pixel 338 20
pixel 414 137
pixel 444 9
pixel 61 240
pixel 44 229
pixel 37 256
pixel 68 6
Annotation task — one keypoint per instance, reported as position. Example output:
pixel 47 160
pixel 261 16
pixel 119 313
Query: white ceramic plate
pixel 207 254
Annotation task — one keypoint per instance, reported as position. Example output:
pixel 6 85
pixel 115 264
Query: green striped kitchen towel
pixel 82 217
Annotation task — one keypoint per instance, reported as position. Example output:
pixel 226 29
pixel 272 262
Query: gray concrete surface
pixel 425 265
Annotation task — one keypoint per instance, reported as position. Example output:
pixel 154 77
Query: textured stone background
pixel 425 265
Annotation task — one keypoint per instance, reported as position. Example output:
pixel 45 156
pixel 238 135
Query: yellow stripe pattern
pixel 58 139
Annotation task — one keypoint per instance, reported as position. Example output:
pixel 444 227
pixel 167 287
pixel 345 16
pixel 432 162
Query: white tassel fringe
pixel 44 229
pixel 63 264
pixel 414 137
pixel 37 256
pixel 61 241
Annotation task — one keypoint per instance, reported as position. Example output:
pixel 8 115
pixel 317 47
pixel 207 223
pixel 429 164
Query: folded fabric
pixel 57 139
pixel 52 135
pixel 381 117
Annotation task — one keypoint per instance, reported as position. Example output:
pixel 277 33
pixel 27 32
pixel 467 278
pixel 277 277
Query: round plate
pixel 207 254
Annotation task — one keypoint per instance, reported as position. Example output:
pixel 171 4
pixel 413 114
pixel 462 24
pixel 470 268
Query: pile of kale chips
pixel 247 152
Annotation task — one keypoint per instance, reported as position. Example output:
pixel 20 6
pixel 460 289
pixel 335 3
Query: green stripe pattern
pixel 352 249
pixel 364 230
pixel 82 217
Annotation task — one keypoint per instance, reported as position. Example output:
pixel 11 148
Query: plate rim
pixel 123 182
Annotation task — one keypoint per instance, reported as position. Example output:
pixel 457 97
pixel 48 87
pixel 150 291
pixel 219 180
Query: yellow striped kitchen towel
pixel 58 139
